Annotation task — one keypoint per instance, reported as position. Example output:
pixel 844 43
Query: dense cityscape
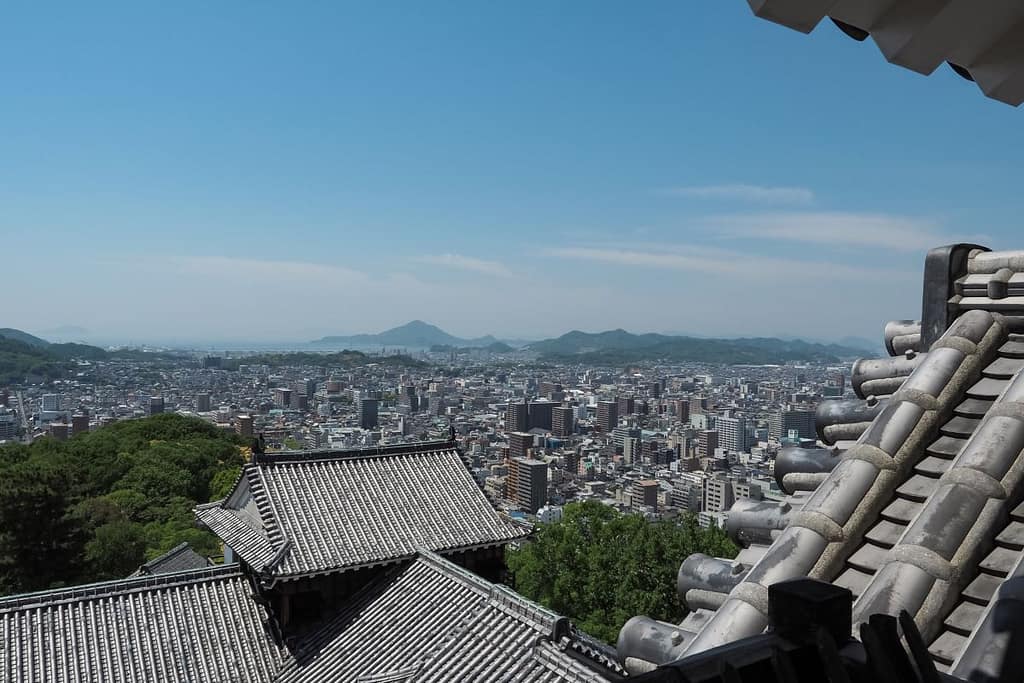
pixel 651 438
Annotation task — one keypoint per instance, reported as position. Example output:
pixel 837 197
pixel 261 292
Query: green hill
pixel 23 337
pixel 618 346
pixel 20 361
pixel 26 357
pixel 97 506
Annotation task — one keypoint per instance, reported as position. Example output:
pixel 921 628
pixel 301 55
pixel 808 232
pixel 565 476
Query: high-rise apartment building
pixel 607 415
pixel 631 450
pixel 683 410
pixel 519 444
pixel 517 417
pixel 368 408
pixel 792 418
pixel 203 403
pixel 732 433
pixel 619 435
pixel 408 397
pixel 688 495
pixel 244 425
pixel 549 388
pixel 156 405
pixel 698 405
pixel 626 405
pixel 644 494
pixel 531 483
pixel 562 421
pixel 540 415
pixel 718 494
pixel 571 462
pixel 707 442
pixel 283 397
pixel 8 424
pixel 51 403
pixel 307 388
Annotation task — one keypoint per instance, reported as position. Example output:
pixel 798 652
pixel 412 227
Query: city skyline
pixel 270 175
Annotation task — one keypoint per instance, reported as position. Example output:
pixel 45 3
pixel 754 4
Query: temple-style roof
pixel 194 626
pixel 312 513
pixel 982 40
pixel 431 620
pixel 923 513
pixel 177 559
pixel 425 619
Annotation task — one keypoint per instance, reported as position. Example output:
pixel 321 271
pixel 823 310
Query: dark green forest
pixel 600 568
pixel 22 355
pixel 97 506
pixel 618 347
pixel 18 360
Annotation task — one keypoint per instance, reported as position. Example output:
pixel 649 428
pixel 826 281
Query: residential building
pixel 732 433
pixel 607 415
pixel 368 408
pixel 519 444
pixel 531 491
pixel 792 418
pixel 517 417
pixel 562 423
pixel 644 494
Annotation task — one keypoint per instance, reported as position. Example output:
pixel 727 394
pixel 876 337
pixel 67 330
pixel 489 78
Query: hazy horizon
pixel 227 343
pixel 277 174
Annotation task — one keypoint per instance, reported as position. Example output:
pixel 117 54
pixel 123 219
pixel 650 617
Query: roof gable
pixel 433 620
pixel 328 512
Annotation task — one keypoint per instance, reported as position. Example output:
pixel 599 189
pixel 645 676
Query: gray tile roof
pixel 979 39
pixel 425 619
pixel 922 513
pixel 431 620
pixel 871 525
pixel 177 559
pixel 192 626
pixel 312 513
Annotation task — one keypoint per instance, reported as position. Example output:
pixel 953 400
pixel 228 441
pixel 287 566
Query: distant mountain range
pixel 619 346
pixel 415 334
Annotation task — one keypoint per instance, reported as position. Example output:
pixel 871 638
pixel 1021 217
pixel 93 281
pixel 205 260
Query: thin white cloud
pixel 837 228
pixel 742 192
pixel 722 262
pixel 468 263
pixel 269 271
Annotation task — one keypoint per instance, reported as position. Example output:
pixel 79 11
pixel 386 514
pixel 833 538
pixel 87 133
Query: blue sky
pixel 279 171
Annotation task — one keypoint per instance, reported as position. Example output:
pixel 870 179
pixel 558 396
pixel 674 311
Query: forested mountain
pixel 19 360
pixel 25 356
pixel 97 506
pixel 619 346
pixel 23 337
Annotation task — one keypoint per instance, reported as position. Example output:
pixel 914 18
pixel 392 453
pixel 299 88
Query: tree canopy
pixel 97 506
pixel 600 567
